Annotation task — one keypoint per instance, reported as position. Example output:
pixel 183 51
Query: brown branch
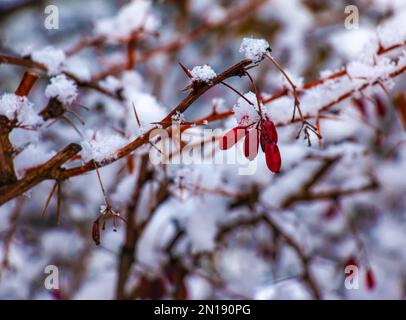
pixel 7 172
pixel 284 92
pixel 38 174
pixel 235 70
pixel 304 258
pixel 126 257
pixel 9 8
pixel 28 63
pixel 26 83
pixel 304 191
pixel 239 13
pixel 9 235
pixel 22 62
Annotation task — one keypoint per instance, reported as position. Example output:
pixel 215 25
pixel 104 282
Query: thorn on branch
pixel 186 70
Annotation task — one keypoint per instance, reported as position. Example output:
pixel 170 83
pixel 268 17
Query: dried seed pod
pixel 96 232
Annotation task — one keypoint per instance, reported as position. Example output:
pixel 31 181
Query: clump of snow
pixel 402 59
pixel 203 73
pixel 178 117
pixel 62 244
pixel 254 49
pixel 219 104
pixel 131 17
pixel 124 190
pixel 356 41
pixel 99 146
pixel 297 80
pixel 111 84
pixel 53 59
pixel 149 110
pixel 62 88
pixel 79 68
pixel 20 108
pixel 244 112
pixel 371 70
pixel 392 31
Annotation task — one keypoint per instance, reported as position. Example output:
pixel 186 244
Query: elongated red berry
pixel 370 282
pixel 380 106
pixel 361 106
pixel 270 130
pixel 273 157
pixel 232 137
pixel 251 144
pixel 268 134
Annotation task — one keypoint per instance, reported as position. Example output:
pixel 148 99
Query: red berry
pixel 351 261
pixel 370 282
pixel 232 137
pixel 361 106
pixel 380 106
pixel 251 144
pixel 269 130
pixel 273 157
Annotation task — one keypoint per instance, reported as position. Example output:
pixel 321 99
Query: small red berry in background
pixel 370 281
pixel 351 261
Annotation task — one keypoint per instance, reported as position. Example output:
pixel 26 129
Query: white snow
pixel 131 17
pixel 78 67
pixel 355 41
pixel 203 73
pixel 370 71
pixel 254 49
pixel 178 117
pixel 101 146
pixel 20 108
pixel 62 88
pixel 111 84
pixel 52 58
pixel 244 112
pixel 146 105
pixel 33 155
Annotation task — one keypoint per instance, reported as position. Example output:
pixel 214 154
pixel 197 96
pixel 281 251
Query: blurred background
pixel 200 231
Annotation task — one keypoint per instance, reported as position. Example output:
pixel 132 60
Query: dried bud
pixel 96 232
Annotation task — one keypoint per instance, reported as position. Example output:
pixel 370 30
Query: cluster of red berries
pixel 264 133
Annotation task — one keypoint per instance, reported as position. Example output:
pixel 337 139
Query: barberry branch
pixel 38 174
